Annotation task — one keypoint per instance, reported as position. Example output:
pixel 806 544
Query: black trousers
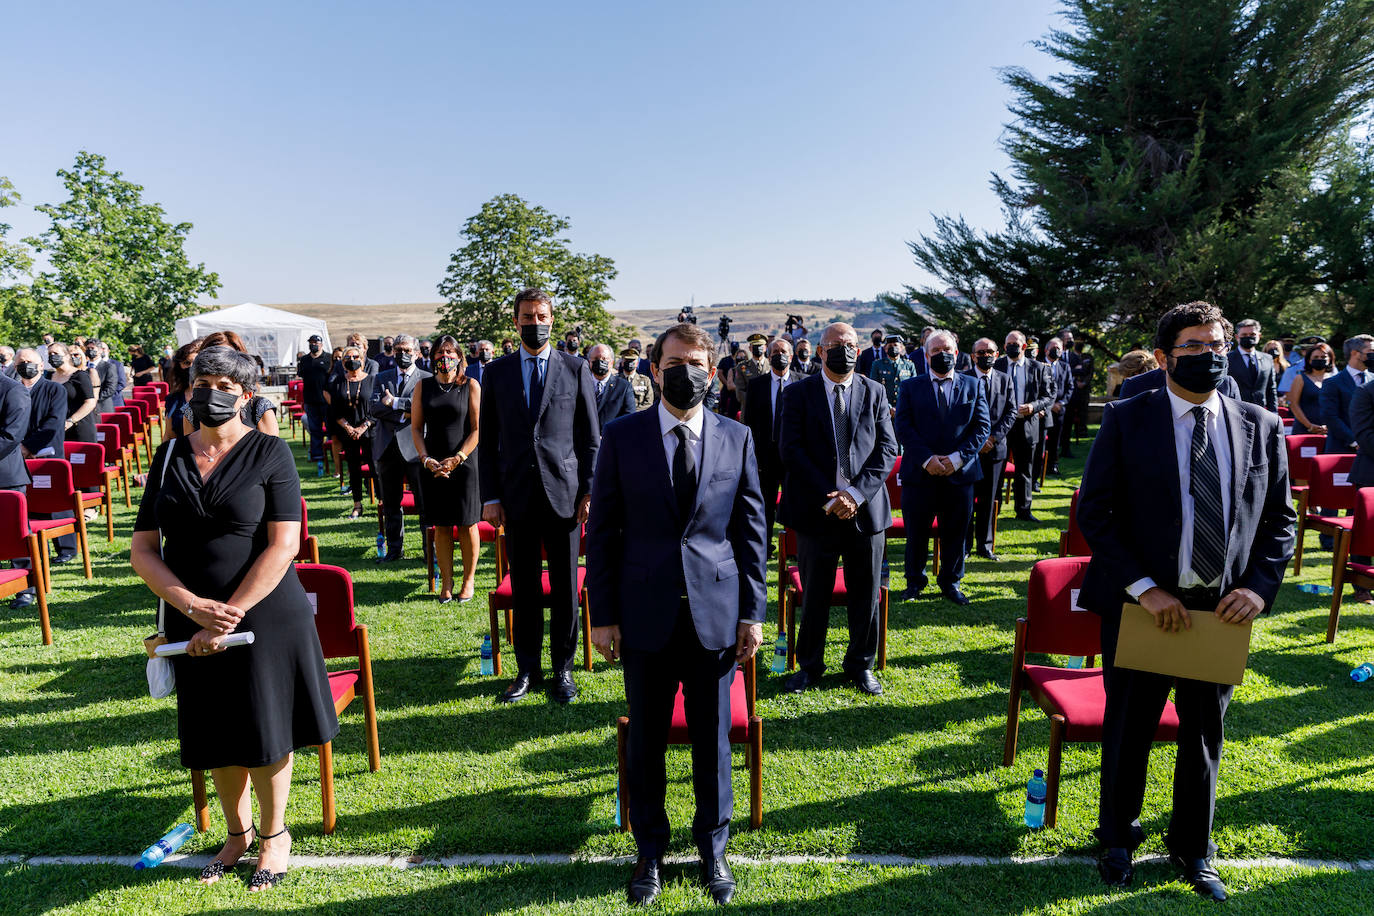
pixel 1023 439
pixel 355 453
pixel 1135 700
pixel 532 539
pixel 1058 435
pixel 985 494
pixel 770 480
pixel 817 558
pixel 651 682
pixel 1076 416
pixel 393 471
pixel 927 498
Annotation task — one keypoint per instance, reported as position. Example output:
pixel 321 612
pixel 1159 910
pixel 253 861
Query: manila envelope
pixel 1210 651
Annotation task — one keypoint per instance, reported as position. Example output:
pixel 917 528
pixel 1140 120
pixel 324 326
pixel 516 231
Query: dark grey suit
pixel 394 459
pixel 1259 384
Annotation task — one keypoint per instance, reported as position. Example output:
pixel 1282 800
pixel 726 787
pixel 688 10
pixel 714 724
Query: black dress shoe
pixel 391 557
pixel 953 595
pixel 1201 875
pixel 26 598
pixel 798 682
pixel 1035 488
pixel 987 554
pixel 867 681
pixel 718 880
pixel 1114 866
pixel 65 557
pixel 563 690
pixel 1054 471
pixel 519 687
pixel 646 882
pixel 1026 517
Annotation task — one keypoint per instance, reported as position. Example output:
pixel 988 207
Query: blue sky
pixel 330 152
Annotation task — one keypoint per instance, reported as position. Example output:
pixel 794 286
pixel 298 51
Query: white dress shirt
pixel 1357 374
pixel 777 383
pixel 935 381
pixel 667 423
pixel 847 399
pixel 1183 446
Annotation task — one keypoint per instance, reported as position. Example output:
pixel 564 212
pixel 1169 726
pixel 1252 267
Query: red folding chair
pixel 50 491
pixel 746 728
pixel 163 389
pixel 309 551
pixel 502 598
pixel 107 437
pixel 1074 699
pixel 1301 450
pixel 1328 490
pixel 331 594
pixel 139 421
pixel 1008 483
pixel 1071 542
pixel 1359 540
pixel 152 407
pixel 127 439
pixel 89 472
pixel 839 597
pixel 897 530
pixel 17 542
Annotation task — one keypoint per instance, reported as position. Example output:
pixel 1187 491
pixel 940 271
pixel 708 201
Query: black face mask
pixel 778 361
pixel 891 352
pixel 314 350
pixel 212 407
pixel 601 366
pixel 507 349
pixel 1013 350
pixel 1053 356
pixel 626 365
pixel 484 357
pixel 756 350
pixel 1199 374
pixel 405 360
pixel 684 386
pixel 1247 342
pixel 1273 353
pixel 27 370
pixel 56 360
pixel 1320 364
pixel 535 336
pixel 941 362
pixel 353 365
pixel 985 361
pixel 841 360
pixel 803 356
pixel 93 354
pixel 387 347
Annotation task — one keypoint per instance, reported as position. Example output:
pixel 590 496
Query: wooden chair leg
pixel 1057 726
pixel 327 786
pixel 36 581
pixel 108 503
pixel 124 475
pixel 586 632
pixel 199 800
pixel 495 639
pixel 882 629
pixel 622 737
pixel 755 772
pixel 510 625
pixel 1013 724
pixel 47 565
pixel 374 747
pixel 82 543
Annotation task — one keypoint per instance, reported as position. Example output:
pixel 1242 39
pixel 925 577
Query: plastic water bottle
pixel 780 655
pixel 886 578
pixel 319 468
pixel 487 667
pixel 381 544
pixel 617 804
pixel 1310 588
pixel 1035 801
pixel 1362 673
pixel 1076 661
pixel 152 856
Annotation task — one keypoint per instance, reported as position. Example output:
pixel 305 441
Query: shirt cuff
pixel 957 460
pixel 858 497
pixel 491 502
pixel 1140 587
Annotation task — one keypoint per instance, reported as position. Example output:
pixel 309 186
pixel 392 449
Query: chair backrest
pixel 1329 485
pixel 894 489
pixel 107 437
pixel 136 409
pixel 88 464
pixel 787 543
pixel 163 389
pixel 305 521
pixel 1052 623
pixel 1362 528
pixel 1078 545
pixel 125 422
pixel 148 399
pixel 330 590
pixel 14 525
pixel 1301 450
pixel 51 489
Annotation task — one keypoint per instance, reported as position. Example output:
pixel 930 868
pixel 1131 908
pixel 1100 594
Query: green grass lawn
pixel 89 763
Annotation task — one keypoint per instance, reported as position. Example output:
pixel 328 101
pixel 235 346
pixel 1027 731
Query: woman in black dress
pixel 81 400
pixel 348 421
pixel 216 534
pixel 444 413
pixel 1304 397
pixel 178 376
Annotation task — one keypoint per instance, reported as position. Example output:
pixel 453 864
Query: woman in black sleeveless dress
pixel 81 399
pixel 217 531
pixel 444 426
pixel 1304 397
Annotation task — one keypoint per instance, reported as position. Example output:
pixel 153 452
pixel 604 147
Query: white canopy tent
pixel 273 334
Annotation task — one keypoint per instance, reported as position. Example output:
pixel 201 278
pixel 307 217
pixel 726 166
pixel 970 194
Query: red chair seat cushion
pixel 407 503
pixel 340 683
pixel 739 715
pixel 92 498
pixel 486 532
pixel 1360 569
pixel 897 529
pixel 47 524
pixel 111 469
pixel 1344 522
pixel 9 575
pixel 1079 695
pixel 838 596
pixel 503 597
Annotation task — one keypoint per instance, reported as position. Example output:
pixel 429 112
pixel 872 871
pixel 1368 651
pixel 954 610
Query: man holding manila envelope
pixel 1185 503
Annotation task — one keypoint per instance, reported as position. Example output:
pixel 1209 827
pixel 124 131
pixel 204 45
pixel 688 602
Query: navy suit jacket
pixel 392 422
pixel 1061 376
pixel 758 416
pixel 47 417
pixel 553 456
pixel 1130 509
pixel 1337 394
pixel 637 573
pixel 1001 411
pixel 14 426
pixel 1154 380
pixel 616 400
pixel 1257 386
pixel 923 433
pixel 1362 423
pixel 807 450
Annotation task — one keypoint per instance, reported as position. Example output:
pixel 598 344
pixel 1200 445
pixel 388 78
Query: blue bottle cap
pixel 1039 774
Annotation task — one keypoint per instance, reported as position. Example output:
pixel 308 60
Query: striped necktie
pixel 1204 483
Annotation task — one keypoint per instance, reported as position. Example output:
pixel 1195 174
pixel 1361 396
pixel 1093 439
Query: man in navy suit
pixel 1061 377
pixel 1339 390
pixel 764 419
pixel 942 423
pixel 1154 380
pixel 614 396
pixel 1031 384
pixel 393 449
pixel 538 436
pixel 837 448
pixel 680 601
pixel 992 457
pixel 1186 505
pixel 1252 368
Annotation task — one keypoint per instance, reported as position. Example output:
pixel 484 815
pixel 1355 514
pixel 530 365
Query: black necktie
pixel 942 399
pixel 684 474
pixel 536 388
pixel 841 433
pixel 1204 483
pixel 777 412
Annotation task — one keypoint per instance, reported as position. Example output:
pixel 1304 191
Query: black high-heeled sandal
pixel 263 878
pixel 215 870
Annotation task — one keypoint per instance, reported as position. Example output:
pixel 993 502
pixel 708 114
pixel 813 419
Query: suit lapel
pixel 1166 457
pixel 555 371
pixel 1240 432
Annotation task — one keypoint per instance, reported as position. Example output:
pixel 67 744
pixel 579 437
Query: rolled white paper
pixel 179 648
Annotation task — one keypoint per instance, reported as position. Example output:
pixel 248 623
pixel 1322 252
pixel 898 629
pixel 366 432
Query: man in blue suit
pixel 1339 390
pixel 393 449
pixel 681 601
pixel 837 448
pixel 997 391
pixel 614 396
pixel 942 423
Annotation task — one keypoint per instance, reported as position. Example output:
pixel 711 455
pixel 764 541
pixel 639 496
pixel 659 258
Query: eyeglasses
pixel 1197 347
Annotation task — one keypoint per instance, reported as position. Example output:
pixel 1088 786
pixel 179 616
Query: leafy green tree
pixel 119 269
pixel 509 245
pixel 23 317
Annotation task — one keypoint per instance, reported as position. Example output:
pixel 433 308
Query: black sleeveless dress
pixel 453 500
pixel 250 705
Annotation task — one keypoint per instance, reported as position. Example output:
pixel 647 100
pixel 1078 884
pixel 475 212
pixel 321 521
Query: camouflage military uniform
pixel 890 373
pixel 745 372
pixel 643 389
